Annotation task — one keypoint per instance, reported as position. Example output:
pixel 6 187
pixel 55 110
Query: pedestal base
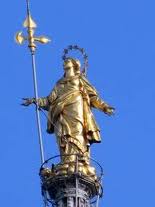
pixel 74 184
pixel 71 191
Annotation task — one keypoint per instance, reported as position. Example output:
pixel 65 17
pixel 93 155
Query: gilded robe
pixel 69 114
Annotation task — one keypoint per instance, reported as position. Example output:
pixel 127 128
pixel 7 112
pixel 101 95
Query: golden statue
pixel 70 117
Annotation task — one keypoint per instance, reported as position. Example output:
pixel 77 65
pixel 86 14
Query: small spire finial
pixel 30 24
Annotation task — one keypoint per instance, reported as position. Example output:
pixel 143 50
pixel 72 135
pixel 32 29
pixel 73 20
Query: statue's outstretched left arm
pixel 95 100
pixel 98 103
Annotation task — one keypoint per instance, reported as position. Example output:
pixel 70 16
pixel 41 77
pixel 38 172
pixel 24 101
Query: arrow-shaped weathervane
pixel 30 25
pixel 31 39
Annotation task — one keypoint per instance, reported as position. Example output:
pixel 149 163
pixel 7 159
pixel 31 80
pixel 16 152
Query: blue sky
pixel 119 37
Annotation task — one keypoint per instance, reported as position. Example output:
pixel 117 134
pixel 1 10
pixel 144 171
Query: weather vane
pixel 30 25
pixel 31 39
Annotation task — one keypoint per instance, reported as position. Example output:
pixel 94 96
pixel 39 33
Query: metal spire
pixel 31 39
pixel 28 7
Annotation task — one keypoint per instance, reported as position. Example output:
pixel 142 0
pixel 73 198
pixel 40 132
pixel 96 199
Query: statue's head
pixel 71 63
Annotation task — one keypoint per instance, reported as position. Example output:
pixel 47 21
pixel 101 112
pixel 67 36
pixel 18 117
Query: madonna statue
pixel 70 117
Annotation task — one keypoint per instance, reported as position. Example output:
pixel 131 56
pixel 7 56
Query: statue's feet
pixel 88 171
pixel 61 169
pixel 69 169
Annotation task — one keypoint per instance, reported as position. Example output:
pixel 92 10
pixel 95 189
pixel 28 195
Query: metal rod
pixel 37 108
pixel 98 197
pixel 45 199
pixel 77 180
pixel 28 7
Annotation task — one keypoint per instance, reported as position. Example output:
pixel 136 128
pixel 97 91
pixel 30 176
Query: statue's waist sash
pixel 58 105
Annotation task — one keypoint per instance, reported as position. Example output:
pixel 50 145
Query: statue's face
pixel 68 65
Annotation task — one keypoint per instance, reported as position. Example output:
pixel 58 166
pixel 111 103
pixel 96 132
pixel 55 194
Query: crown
pixel 82 51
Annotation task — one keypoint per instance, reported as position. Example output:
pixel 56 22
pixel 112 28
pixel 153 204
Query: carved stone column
pixel 71 191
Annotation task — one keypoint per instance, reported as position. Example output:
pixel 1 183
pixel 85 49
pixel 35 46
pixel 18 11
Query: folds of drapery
pixel 72 108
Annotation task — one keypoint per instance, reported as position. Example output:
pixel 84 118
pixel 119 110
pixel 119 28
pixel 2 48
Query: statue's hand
pixel 109 110
pixel 28 101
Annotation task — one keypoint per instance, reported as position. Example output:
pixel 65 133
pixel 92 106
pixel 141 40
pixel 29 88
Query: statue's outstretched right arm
pixel 43 102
